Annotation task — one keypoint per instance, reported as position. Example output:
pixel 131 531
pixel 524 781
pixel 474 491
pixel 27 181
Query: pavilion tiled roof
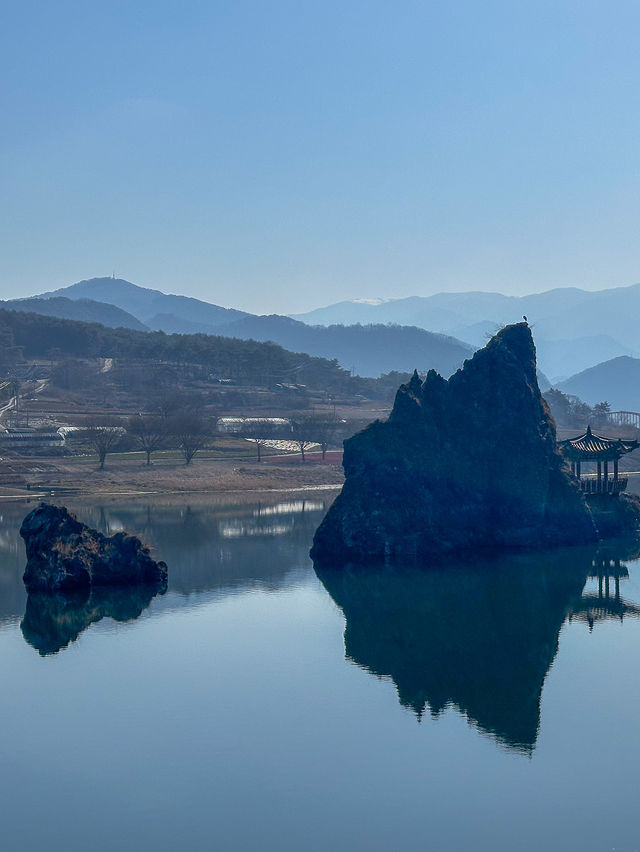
pixel 595 446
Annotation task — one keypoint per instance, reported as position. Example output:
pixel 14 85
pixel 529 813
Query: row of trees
pixel 188 431
pixel 303 431
pixel 191 429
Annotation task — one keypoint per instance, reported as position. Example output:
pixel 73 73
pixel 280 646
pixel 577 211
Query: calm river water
pixel 258 705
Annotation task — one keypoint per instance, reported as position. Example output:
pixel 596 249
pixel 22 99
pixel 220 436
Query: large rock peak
pixel 461 464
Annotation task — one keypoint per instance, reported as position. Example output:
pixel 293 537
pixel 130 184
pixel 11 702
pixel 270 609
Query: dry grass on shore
pixel 129 475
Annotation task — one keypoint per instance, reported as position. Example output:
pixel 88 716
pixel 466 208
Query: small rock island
pixel 63 554
pixel 469 464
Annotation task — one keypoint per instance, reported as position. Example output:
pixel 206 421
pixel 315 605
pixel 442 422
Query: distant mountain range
pixel 617 381
pixel 367 351
pixel 563 313
pixel 574 329
pixel 564 358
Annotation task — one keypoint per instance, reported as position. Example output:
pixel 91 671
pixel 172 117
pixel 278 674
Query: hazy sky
pixel 278 156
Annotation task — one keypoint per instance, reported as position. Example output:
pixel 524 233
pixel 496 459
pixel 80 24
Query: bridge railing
pixel 624 418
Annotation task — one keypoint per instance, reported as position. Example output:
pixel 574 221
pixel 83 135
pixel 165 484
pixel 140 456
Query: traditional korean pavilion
pixel 599 452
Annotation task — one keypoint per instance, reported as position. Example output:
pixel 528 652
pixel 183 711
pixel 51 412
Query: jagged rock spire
pixel 464 464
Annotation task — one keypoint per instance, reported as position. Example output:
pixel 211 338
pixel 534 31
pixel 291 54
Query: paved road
pixel 8 406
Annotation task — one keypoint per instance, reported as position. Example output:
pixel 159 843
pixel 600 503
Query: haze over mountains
pixel 617 381
pixel 367 350
pixel 562 313
pixel 575 330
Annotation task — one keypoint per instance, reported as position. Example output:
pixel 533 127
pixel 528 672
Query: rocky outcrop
pixel 64 554
pixel 467 464
pixel 615 516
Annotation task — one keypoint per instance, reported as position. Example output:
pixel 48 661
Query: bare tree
pixel 149 431
pixel 103 434
pixel 191 431
pixel 324 429
pixel 303 433
pixel 171 401
pixel 258 430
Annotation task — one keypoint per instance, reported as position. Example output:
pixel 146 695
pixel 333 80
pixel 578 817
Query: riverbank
pixel 129 475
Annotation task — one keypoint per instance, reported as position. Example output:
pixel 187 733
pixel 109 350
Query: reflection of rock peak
pixel 481 637
pixel 461 464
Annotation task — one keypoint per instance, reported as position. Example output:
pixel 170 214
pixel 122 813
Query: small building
pixel 235 425
pixel 594 461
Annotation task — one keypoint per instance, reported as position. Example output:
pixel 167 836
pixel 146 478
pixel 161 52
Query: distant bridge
pixel 624 418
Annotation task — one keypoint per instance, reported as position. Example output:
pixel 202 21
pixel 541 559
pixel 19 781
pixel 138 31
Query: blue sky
pixel 278 156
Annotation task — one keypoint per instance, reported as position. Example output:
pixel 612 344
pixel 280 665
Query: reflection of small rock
pixel 64 554
pixel 53 621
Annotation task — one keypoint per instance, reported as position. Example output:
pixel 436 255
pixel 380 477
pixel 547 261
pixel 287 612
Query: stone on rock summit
pixel 465 464
pixel 65 554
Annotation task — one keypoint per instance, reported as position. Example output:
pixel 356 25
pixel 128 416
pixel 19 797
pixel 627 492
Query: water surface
pixel 261 705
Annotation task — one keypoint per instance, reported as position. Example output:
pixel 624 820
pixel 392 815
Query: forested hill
pixel 36 336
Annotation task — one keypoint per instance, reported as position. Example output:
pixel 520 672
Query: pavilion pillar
pixel 599 475
pixel 578 469
pixel 605 486
pixel 615 471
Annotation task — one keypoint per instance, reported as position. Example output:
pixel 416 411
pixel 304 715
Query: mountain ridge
pixel 559 313
pixel 144 302
pixel 616 381
pixel 85 310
